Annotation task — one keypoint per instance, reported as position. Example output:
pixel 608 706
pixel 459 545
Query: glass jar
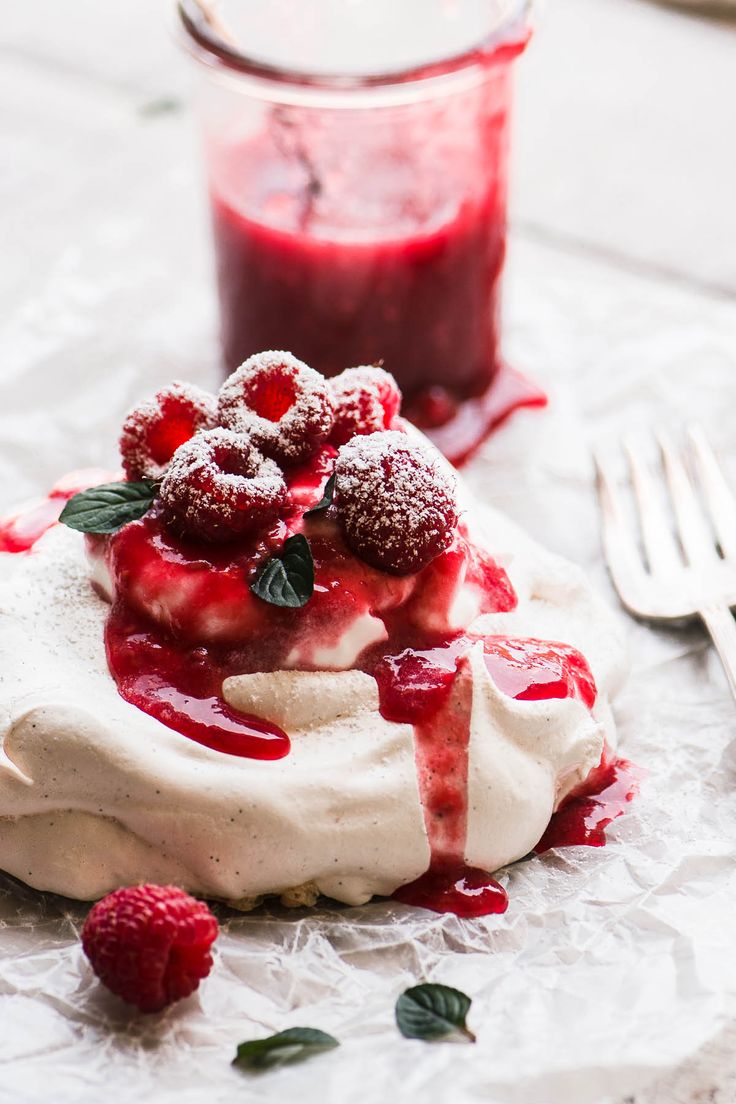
pixel 357 155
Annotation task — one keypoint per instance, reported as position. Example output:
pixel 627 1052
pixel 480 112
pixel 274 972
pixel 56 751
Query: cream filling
pixel 94 793
pixel 365 629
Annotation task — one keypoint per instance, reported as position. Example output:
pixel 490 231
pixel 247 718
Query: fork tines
pixel 678 556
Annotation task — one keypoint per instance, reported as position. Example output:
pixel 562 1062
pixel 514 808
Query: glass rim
pixel 207 43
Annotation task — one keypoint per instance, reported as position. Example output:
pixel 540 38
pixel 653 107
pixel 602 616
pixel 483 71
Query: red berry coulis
pixel 20 530
pixel 427 687
pixel 585 813
pixel 181 687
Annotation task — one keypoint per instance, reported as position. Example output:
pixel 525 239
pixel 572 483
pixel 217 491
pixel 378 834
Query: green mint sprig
pixel 292 1045
pixel 433 1012
pixel 109 507
pixel 287 579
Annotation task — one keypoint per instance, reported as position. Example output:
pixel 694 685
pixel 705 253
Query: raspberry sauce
pixel 434 689
pixel 410 279
pixel 585 813
pixel 420 296
pixel 535 670
pixel 457 888
pixel 458 428
pixel 20 530
pixel 181 688
pixel 185 617
pixel 430 688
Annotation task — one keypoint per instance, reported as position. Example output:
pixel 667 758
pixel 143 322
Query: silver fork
pixel 688 569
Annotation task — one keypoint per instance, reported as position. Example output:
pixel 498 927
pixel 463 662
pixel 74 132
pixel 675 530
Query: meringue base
pixel 95 794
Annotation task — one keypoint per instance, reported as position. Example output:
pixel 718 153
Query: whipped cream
pixel 95 793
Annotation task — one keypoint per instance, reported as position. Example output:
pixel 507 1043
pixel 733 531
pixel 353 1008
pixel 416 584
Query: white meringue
pixel 95 793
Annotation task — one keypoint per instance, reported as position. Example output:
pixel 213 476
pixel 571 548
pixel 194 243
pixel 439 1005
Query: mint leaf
pixel 109 507
pixel 433 1012
pixel 327 496
pixel 287 579
pixel 291 1045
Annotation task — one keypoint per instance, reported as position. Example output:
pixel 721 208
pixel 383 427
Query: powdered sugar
pixel 281 403
pixel 219 486
pixel 397 504
pixel 156 427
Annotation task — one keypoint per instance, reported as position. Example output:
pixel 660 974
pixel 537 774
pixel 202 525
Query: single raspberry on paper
pixel 150 944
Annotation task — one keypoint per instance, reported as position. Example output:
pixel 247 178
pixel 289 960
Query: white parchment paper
pixel 611 966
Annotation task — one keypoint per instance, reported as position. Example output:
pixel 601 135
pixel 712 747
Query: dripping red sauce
pixel 536 670
pixel 464 890
pixel 181 687
pixel 167 674
pixel 440 700
pixel 210 624
pixel 459 428
pixel 20 530
pixel 430 688
pixel 587 811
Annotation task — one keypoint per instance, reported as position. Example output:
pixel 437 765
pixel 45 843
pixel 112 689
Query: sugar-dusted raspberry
pixel 281 403
pixel 396 503
pixel 153 430
pixel 150 944
pixel 366 400
pixel 219 486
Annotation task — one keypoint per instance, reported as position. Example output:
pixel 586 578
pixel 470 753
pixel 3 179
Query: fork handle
pixel 720 623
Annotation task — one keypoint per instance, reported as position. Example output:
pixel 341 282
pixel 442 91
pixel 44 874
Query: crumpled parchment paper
pixel 611 966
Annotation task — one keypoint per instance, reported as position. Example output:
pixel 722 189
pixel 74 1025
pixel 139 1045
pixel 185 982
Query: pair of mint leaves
pixel 427 1012
pixel 286 579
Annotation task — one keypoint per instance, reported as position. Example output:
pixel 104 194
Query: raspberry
pixel 366 400
pixel 279 402
pixel 153 430
pixel 150 944
pixel 220 486
pixel 397 506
